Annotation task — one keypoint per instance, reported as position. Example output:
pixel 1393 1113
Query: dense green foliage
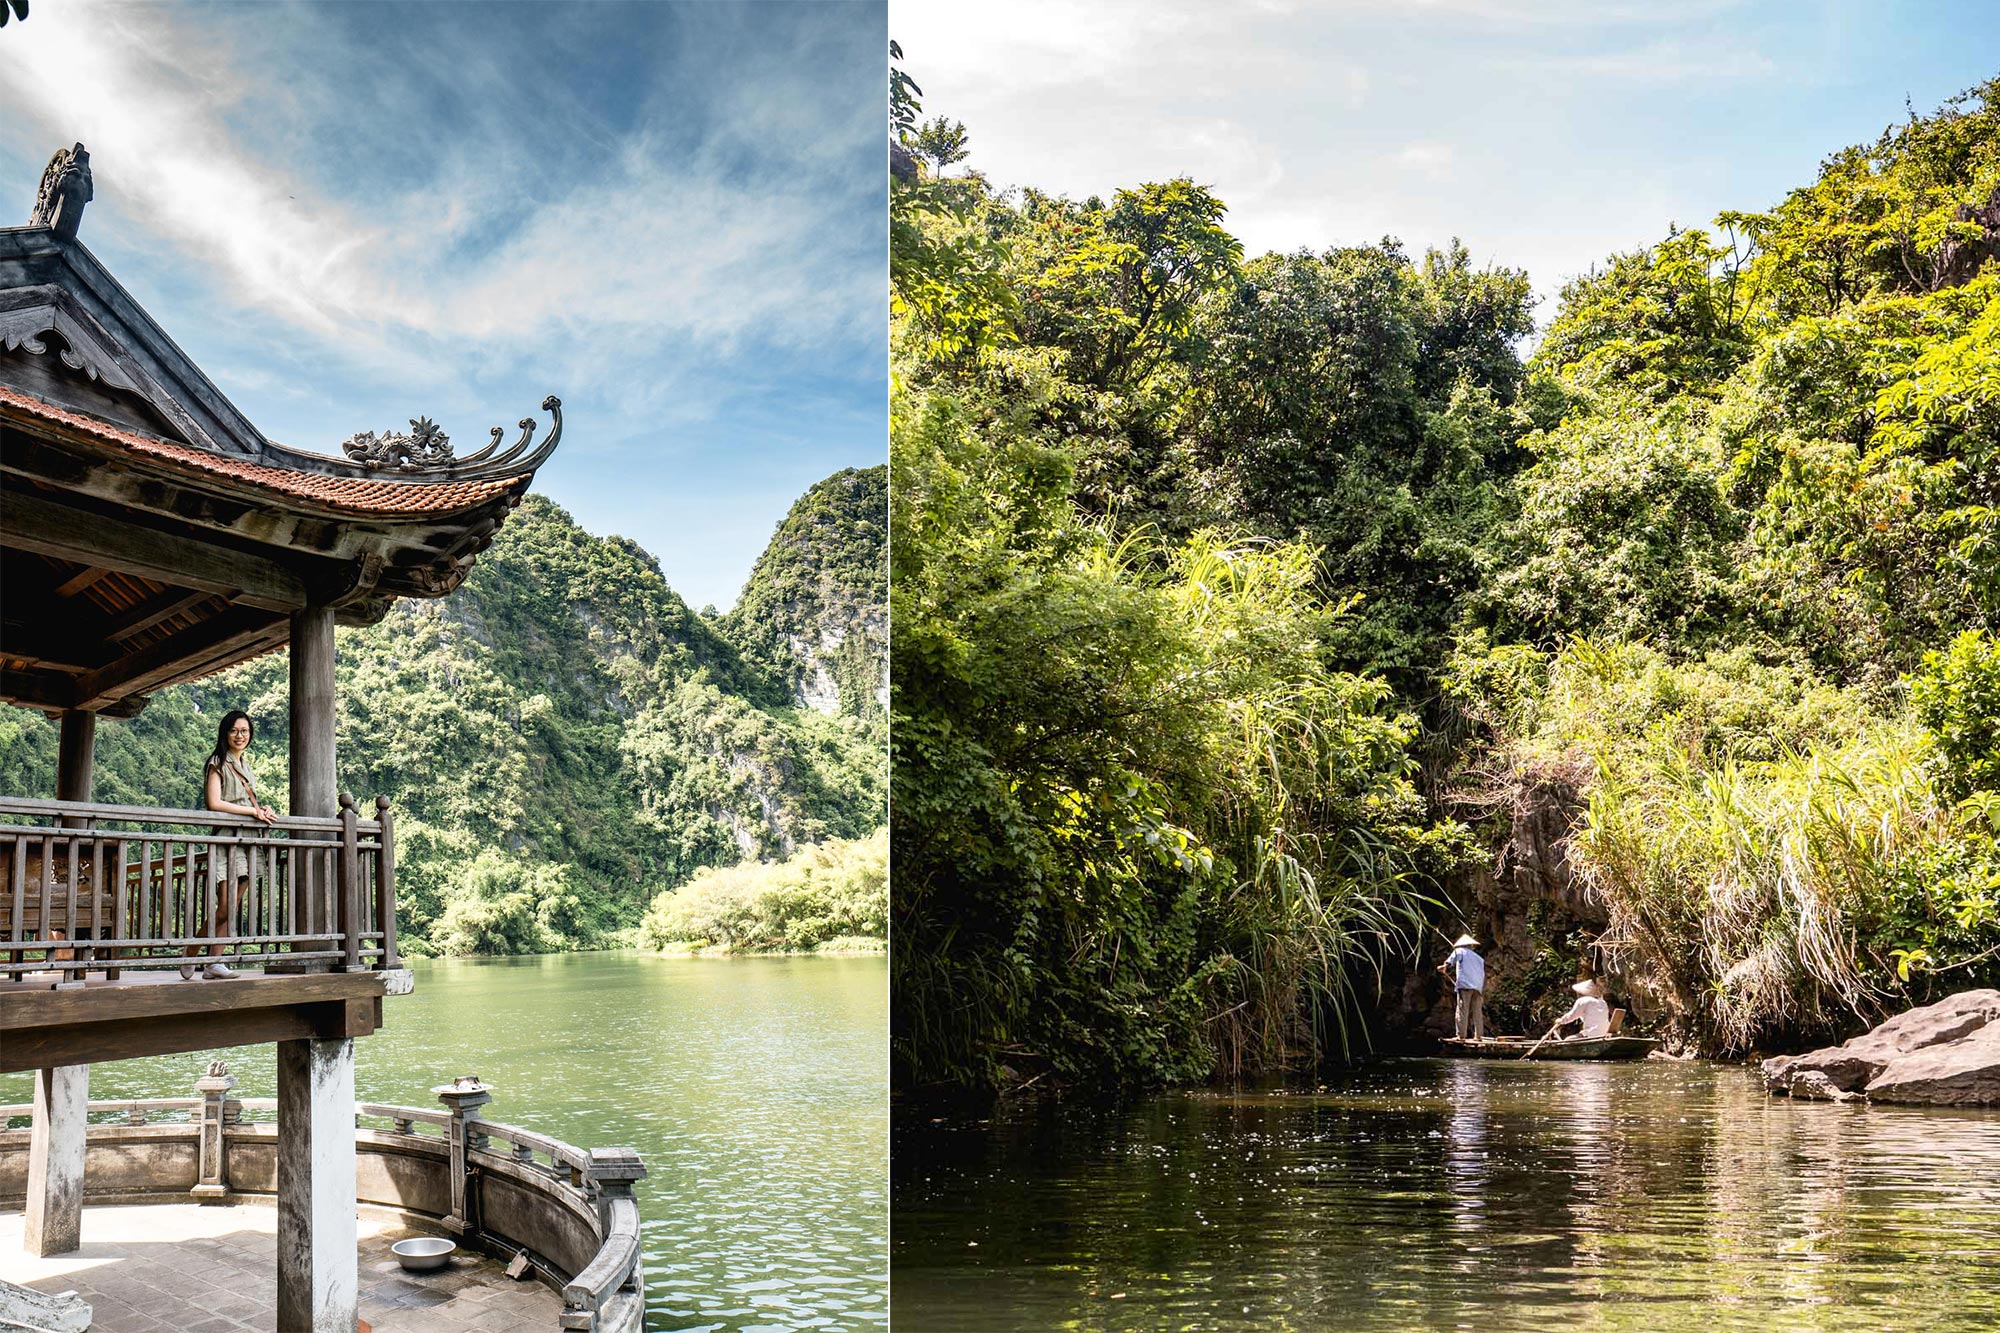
pixel 830 897
pixel 560 738
pixel 1146 825
pixel 1775 465
pixel 1721 560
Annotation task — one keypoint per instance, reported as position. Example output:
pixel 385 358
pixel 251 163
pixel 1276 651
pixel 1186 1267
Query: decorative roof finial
pixel 65 189
pixel 427 450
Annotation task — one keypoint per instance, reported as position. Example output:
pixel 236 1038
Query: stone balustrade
pixel 503 1190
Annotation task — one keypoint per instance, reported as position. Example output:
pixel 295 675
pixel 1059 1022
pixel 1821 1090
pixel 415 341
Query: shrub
pixel 822 895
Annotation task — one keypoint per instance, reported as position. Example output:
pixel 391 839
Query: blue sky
pixel 672 216
pixel 1546 133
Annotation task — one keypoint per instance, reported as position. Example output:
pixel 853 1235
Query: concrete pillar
pixel 212 1180
pixel 463 1097
pixel 319 1286
pixel 55 1160
pixel 614 1172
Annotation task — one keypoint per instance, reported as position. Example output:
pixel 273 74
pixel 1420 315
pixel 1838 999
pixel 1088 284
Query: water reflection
pixel 755 1088
pixel 1427 1194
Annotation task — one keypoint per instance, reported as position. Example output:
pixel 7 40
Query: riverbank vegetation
pixel 1150 820
pixel 1223 583
pixel 563 737
pixel 829 898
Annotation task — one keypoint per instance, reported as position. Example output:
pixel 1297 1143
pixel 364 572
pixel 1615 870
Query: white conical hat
pixel 1464 942
pixel 1588 986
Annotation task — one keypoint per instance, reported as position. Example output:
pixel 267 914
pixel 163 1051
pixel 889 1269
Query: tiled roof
pixel 349 495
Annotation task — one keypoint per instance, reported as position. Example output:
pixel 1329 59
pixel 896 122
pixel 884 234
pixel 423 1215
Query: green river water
pixel 1475 1195
pixel 755 1088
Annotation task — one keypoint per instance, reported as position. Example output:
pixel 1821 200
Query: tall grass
pixel 1760 841
pixel 1743 887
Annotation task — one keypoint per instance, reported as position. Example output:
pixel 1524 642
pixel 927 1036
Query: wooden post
pixel 54 1223
pixel 318 1273
pixel 313 784
pixel 75 760
pixel 314 789
pixel 347 900
pixel 385 887
pixel 55 1160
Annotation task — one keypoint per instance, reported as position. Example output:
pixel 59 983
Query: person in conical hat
pixel 1590 1013
pixel 1467 971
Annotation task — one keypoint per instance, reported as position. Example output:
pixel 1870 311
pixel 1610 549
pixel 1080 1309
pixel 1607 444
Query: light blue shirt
pixel 1468 969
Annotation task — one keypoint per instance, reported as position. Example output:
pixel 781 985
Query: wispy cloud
pixel 1428 158
pixel 671 215
pixel 485 239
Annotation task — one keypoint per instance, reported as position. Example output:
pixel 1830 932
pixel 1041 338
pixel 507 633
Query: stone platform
pixel 186 1268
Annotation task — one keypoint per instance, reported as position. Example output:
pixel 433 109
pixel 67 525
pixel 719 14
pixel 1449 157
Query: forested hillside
pixel 1244 605
pixel 562 737
pixel 815 613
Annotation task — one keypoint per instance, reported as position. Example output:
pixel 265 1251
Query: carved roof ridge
pixel 424 455
pixel 346 495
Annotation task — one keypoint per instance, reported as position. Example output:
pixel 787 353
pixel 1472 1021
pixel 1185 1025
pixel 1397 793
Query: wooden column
pixel 318 1273
pixel 313 785
pixel 313 788
pixel 54 1222
pixel 76 759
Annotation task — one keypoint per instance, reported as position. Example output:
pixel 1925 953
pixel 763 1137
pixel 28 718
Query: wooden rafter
pixel 149 613
pixel 76 583
pixel 47 525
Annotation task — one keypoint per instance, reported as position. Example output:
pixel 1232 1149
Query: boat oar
pixel 1530 1054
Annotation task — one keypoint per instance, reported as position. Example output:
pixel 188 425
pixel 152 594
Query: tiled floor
pixel 191 1269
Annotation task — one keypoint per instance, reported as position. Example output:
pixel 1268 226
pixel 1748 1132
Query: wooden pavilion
pixel 150 535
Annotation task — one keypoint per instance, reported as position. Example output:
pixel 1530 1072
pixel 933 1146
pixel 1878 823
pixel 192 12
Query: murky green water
pixel 755 1088
pixel 1424 1194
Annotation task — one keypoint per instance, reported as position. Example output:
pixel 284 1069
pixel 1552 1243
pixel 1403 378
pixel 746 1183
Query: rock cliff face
pixel 1530 912
pixel 813 612
pixel 1943 1054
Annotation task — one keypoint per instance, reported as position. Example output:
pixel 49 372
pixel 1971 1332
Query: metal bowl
pixel 423 1253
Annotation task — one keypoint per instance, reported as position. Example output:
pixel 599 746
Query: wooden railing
pixel 85 886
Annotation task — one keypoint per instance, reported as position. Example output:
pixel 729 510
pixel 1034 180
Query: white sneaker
pixel 187 972
pixel 217 972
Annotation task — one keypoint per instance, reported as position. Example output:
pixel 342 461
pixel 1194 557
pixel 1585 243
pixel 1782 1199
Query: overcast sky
pixel 1546 133
pixel 350 215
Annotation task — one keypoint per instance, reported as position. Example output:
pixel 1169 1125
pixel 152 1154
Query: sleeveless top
pixel 238 782
pixel 235 790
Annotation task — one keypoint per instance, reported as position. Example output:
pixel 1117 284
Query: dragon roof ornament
pixel 65 189
pixel 424 452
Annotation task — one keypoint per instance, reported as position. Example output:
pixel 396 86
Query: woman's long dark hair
pixel 220 753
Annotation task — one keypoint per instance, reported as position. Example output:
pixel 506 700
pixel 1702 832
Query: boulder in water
pixel 1965 1072
pixel 1946 1053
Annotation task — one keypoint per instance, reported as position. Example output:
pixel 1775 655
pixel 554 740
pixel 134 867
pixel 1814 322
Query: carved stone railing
pixel 503 1190
pixel 87 886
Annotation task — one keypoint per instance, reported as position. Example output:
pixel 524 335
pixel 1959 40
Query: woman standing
pixel 230 787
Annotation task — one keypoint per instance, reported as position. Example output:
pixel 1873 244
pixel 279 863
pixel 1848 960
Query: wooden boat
pixel 1573 1048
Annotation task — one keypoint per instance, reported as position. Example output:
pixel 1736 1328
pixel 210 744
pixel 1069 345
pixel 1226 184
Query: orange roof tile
pixel 351 495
